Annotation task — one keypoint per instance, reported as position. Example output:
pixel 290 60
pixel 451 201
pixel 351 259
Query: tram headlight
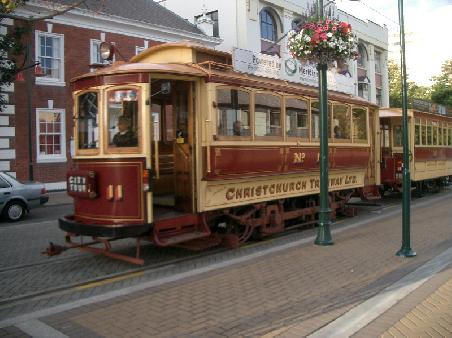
pixel 106 51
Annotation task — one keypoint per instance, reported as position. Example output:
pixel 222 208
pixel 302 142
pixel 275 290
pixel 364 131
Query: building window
pixel 214 17
pixel 268 26
pixel 138 50
pixel 50 54
pixel 50 134
pixel 377 62
pixel 362 56
pixel 379 97
pixel 95 58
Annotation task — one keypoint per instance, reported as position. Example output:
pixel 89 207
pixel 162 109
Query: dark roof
pixel 146 11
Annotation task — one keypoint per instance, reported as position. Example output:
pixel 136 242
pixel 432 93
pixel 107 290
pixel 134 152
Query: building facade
pixel 36 128
pixel 257 25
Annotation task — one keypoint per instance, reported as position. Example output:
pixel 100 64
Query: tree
pixel 442 86
pixel 395 88
pixel 13 45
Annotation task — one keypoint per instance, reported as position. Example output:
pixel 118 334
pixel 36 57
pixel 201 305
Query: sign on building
pixel 288 69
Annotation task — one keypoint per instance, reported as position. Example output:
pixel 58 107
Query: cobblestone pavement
pixel 306 284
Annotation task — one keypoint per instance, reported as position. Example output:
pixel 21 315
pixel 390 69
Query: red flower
pixel 323 36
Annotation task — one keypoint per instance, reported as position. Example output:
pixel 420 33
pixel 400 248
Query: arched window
pixel 363 57
pixel 268 26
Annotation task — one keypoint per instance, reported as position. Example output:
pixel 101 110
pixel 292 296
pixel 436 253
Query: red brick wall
pixel 76 62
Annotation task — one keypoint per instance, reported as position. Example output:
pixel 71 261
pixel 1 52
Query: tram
pixel 177 148
pixel 430 150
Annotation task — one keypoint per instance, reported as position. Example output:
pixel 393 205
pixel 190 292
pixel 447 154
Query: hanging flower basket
pixel 323 42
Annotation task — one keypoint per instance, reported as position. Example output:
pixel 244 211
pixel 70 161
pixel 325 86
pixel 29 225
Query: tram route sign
pixel 81 183
pixel 287 69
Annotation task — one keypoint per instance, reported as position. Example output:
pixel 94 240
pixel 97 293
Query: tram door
pixel 172 159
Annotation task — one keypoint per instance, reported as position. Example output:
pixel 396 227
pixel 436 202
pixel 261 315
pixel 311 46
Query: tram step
pixel 182 238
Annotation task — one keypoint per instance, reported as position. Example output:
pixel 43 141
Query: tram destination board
pixel 82 184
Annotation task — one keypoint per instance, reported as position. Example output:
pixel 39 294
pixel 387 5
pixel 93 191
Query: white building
pixel 256 24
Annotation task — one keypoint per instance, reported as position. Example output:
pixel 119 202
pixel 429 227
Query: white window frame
pixel 139 49
pixel 48 80
pixel 52 158
pixel 92 42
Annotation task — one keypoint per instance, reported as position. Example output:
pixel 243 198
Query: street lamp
pixel 405 250
pixel 323 230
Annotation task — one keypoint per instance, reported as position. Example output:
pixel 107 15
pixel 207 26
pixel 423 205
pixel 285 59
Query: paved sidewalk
pixel 290 293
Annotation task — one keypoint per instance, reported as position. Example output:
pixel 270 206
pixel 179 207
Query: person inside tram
pixel 237 128
pixel 125 137
pixel 337 132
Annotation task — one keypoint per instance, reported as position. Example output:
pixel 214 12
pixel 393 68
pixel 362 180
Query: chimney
pixel 204 23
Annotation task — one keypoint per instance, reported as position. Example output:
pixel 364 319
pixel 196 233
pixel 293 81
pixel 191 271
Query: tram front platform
pixel 286 288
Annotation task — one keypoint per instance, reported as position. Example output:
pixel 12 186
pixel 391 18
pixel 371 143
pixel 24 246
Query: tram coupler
pixel 54 250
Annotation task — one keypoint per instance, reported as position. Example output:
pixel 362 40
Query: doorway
pixel 172 158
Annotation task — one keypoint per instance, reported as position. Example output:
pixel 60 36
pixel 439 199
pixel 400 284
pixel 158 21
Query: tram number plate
pixel 82 184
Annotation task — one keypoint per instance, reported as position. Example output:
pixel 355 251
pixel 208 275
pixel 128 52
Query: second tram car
pixel 430 149
pixel 177 148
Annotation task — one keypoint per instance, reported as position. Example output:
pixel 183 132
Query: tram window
pixel 435 133
pixel 341 122
pixel 267 115
pixel 88 121
pixel 315 120
pixel 122 110
pixel 385 136
pixel 397 141
pixel 440 135
pixel 449 136
pixel 359 124
pixel 297 118
pixel 417 134
pixel 424 132
pixel 233 112
pixel 429 133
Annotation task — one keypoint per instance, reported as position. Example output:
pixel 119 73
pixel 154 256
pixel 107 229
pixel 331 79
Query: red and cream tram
pixel 176 148
pixel 430 149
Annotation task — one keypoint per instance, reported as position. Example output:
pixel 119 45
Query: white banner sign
pixel 288 69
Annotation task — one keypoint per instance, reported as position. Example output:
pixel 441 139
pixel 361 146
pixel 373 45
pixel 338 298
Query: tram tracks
pixel 83 285
pixel 117 277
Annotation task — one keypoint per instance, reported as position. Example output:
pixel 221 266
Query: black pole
pixel 406 185
pixel 28 88
pixel 323 230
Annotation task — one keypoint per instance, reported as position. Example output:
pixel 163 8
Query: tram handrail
pixel 156 157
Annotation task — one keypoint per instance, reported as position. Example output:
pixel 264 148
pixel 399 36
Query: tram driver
pixel 126 136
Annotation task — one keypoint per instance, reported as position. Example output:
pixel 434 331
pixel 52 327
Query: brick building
pixel 67 46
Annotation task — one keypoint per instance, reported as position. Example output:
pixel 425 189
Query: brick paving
pixel 432 317
pixel 305 287
pixel 287 294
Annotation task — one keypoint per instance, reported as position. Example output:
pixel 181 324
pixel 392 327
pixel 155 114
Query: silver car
pixel 16 198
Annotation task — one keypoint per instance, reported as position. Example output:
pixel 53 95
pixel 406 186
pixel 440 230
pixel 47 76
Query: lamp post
pixel 323 230
pixel 405 250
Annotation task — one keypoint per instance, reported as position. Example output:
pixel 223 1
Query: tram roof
pixel 191 59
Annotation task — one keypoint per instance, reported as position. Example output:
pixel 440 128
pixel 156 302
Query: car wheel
pixel 14 211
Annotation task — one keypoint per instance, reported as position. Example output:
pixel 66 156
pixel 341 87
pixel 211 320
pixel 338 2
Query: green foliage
pixel 11 48
pixel 442 87
pixel 395 88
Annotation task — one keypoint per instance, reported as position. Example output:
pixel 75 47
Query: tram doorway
pixel 172 143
